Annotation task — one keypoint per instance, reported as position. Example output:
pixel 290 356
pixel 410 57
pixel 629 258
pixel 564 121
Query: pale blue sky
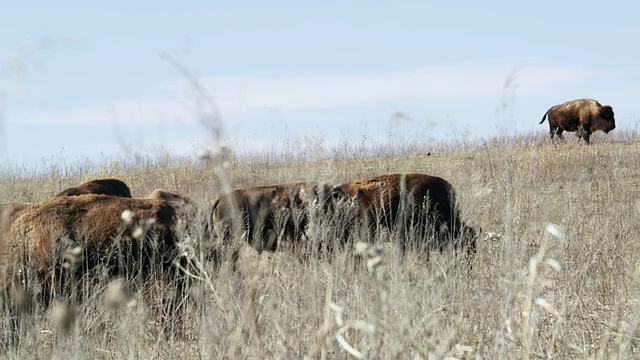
pixel 78 80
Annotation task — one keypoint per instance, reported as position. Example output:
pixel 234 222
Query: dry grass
pixel 567 290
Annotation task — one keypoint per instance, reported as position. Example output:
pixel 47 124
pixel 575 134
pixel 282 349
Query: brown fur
pixel 113 187
pixel 267 213
pixel 40 237
pixel 585 116
pixel 379 200
pixel 173 198
pixel 185 208
pixel 9 212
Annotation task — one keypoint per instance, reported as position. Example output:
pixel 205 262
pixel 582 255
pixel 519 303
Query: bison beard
pixel 405 201
pixel 585 116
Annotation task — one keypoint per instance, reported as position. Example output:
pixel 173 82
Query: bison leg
pixel 557 131
pixel 270 234
pixel 579 133
pixel 585 131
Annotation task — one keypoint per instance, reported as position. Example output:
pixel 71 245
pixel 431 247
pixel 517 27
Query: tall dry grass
pixel 557 277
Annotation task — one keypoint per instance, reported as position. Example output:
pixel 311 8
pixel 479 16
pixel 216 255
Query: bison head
pixel 606 121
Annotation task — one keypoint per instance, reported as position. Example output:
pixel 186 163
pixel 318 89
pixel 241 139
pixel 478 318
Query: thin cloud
pixel 241 98
pixel 141 110
pixel 445 83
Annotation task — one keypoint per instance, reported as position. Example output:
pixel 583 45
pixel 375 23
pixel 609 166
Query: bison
pixel 57 245
pixel 402 201
pixel 585 116
pixel 10 211
pixel 269 213
pixel 113 187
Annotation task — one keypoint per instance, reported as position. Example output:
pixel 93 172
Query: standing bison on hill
pixel 584 116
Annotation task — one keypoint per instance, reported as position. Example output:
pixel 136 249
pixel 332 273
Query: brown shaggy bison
pixel 56 245
pixel 269 213
pixel 585 116
pixel 113 187
pixel 402 201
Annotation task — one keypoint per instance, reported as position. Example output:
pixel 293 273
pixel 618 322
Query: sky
pixel 117 78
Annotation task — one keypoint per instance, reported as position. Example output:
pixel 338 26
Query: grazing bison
pixel 585 116
pixel 269 213
pixel 404 200
pixel 113 187
pixel 59 244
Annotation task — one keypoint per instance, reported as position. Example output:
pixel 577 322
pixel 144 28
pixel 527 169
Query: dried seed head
pixel 205 154
pixel 21 299
pixel 374 263
pixel 197 293
pixel 554 264
pixel 492 236
pixel 76 251
pixel 72 257
pixel 373 254
pixel 361 247
pixel 119 294
pixel 63 316
pixel 315 204
pixel 484 191
pixel 137 232
pixel 545 305
pixel 217 157
pixel 127 216
pixel 555 230
pixel 462 349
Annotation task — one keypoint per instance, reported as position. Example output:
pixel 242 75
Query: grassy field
pixel 559 278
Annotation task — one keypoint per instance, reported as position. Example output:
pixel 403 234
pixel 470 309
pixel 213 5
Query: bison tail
pixel 544 117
